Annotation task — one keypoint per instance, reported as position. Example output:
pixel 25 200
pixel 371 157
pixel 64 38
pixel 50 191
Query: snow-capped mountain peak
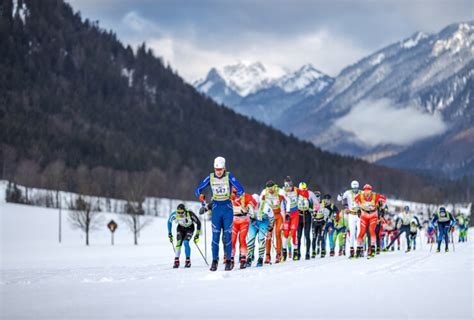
pixel 455 38
pixel 300 79
pixel 245 77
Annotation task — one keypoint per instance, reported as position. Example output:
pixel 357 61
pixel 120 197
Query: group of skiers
pixel 282 218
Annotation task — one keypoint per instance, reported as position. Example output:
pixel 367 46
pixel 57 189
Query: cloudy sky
pixel 194 36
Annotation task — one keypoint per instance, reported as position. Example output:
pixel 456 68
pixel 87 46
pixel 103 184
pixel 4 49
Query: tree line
pixel 81 112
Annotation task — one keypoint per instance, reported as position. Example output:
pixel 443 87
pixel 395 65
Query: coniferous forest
pixel 80 111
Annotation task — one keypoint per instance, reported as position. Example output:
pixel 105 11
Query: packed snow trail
pixel 41 279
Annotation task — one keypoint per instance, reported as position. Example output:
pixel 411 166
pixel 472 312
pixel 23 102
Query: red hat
pixel 367 187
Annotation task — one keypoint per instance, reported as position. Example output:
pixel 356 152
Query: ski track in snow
pixel 40 279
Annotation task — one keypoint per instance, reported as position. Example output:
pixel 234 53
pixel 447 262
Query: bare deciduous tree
pixel 135 217
pixel 83 217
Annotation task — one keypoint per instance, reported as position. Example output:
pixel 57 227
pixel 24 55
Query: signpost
pixel 112 225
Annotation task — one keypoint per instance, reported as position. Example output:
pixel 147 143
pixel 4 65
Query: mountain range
pixel 407 105
pixel 82 112
pixel 250 89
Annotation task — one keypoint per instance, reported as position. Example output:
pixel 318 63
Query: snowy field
pixel 41 279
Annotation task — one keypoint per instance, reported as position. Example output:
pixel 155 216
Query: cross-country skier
pixel 446 222
pixel 261 223
pixel 185 220
pixel 319 223
pixel 414 226
pixel 329 211
pixel 430 232
pixel 290 225
pixel 368 203
pixel 379 229
pixel 307 203
pixel 243 207
pixel 392 233
pixel 462 226
pixel 271 196
pixel 340 228
pixel 352 213
pixel 404 218
pixel 221 183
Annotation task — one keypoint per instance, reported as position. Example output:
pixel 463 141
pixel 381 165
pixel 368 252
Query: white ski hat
pixel 219 163
pixel 355 184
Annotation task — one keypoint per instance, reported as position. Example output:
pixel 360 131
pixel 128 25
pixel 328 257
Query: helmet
pixel 367 187
pixel 288 182
pixel 327 196
pixel 317 194
pixel 219 163
pixel 302 186
pixel 442 210
pixel 269 184
pixel 406 208
pixel 355 184
pixel 181 208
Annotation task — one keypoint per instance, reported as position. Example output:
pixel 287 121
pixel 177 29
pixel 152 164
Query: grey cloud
pixel 377 122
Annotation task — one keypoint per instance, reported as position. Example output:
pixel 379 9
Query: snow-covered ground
pixel 41 279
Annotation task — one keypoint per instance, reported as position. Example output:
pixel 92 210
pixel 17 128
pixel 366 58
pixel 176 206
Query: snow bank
pixel 41 279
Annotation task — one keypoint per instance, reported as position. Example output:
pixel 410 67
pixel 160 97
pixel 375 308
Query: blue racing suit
pixel 222 213
pixel 445 221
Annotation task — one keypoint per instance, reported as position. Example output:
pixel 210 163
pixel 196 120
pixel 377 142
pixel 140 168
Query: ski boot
pixel 323 253
pixel 307 257
pixel 398 248
pixel 372 251
pixel 278 258
pixel 437 250
pixel 359 252
pixel 213 265
pixel 414 248
pixel 232 262
pixel 248 263
pixel 351 253
pixel 317 251
pixel 283 258
pixel 408 249
pixel 187 263
pixel 446 250
pixel 332 253
pixel 243 262
pixel 313 254
pixel 340 252
pixel 267 259
pixel 296 255
pixel 228 265
pixel 378 250
pixel 260 262
pixel 176 263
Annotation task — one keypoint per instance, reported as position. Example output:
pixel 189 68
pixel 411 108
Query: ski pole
pixel 172 245
pixel 201 253
pixel 203 204
pixel 452 240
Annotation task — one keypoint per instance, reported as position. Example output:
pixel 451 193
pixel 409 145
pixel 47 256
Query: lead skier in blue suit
pixel 221 183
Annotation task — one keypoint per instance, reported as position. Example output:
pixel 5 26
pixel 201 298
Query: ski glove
pixel 170 237
pixel 287 218
pixel 202 198
pixel 196 238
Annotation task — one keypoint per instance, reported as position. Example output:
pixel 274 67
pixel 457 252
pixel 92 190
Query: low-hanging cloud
pixel 378 122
